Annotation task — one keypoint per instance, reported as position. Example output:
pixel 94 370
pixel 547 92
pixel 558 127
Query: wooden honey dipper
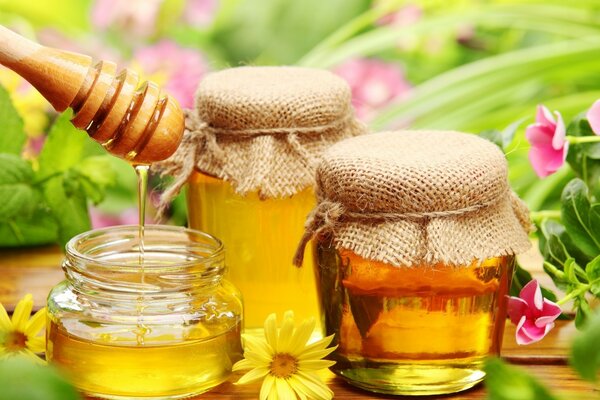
pixel 137 124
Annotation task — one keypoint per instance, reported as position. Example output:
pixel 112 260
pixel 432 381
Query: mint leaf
pixel 505 382
pixel 22 379
pixel 95 174
pixel 12 135
pixel 69 209
pixel 585 352
pixel 65 147
pixel 575 213
pixel 17 196
pixel 40 229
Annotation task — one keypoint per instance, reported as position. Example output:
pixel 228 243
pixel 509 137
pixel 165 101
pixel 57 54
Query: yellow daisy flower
pixel 20 336
pixel 287 364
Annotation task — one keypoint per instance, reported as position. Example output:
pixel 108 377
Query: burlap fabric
pixel 263 129
pixel 412 197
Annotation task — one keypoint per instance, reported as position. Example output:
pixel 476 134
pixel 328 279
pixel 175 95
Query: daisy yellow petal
pixel 253 375
pixel 36 323
pixel 297 387
pixel 32 356
pixel 258 346
pixel 316 354
pixel 266 387
pixel 271 330
pixel 243 364
pixel 300 387
pixel 315 385
pixel 301 336
pixel 36 344
pixel 314 364
pixel 284 391
pixel 285 334
pixel 319 344
pixel 22 313
pixel 5 324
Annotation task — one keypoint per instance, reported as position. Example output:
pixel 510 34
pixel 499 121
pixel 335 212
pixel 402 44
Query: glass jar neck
pixel 111 263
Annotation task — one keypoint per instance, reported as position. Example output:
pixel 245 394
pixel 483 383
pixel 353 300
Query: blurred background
pixel 477 66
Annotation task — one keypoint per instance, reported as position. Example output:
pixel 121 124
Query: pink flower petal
pixel 539 135
pixel 593 116
pixel 517 308
pixel 532 294
pixel 560 132
pixel 544 116
pixel 546 160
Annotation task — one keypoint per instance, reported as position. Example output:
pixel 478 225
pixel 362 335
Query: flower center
pixel 283 365
pixel 15 341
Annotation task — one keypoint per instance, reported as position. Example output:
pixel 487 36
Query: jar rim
pixel 214 250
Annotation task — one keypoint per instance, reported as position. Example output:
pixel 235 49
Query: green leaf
pixel 65 147
pixel 592 271
pixel 570 271
pixel 583 311
pixel 508 134
pixel 21 379
pixel 94 174
pixel 585 352
pixel 12 135
pixel 556 245
pixel 521 277
pixel 493 135
pixel 575 212
pixel 69 209
pixel 40 228
pixel 17 196
pixel 505 382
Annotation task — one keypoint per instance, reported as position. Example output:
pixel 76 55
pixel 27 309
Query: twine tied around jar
pixel 262 129
pixel 327 215
pixel 411 197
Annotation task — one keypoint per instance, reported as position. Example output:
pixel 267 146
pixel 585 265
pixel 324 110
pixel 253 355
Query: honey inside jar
pixel 168 330
pixel 261 238
pixel 112 367
pixel 412 330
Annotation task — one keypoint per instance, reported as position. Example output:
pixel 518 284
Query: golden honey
pixel 167 326
pixel 261 237
pixel 421 330
pixel 160 368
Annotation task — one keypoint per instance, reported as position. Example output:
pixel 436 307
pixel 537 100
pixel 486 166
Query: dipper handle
pixel 138 124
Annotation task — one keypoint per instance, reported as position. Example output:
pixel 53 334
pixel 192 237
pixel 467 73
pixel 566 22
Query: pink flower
pixel 176 69
pixel 374 84
pixel 593 117
pixel 200 12
pixel 128 216
pixel 532 314
pixel 548 145
pixel 134 16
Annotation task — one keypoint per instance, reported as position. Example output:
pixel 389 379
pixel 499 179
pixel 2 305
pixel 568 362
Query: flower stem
pixel 582 139
pixel 543 214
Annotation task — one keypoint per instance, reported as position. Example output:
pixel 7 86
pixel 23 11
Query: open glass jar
pixel 416 233
pixel 168 327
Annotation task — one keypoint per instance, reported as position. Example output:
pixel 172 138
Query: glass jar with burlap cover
pixel 416 233
pixel 249 154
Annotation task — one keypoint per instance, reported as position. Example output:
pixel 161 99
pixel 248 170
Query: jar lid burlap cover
pixel 263 129
pixel 412 197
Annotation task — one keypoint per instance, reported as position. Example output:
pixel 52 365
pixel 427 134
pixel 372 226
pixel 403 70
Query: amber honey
pixel 110 366
pixel 261 237
pixel 420 330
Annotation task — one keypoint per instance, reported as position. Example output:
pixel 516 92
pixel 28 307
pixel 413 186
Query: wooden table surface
pixel 36 270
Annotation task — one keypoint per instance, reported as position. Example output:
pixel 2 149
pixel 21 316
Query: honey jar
pixel 157 325
pixel 249 154
pixel 416 233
